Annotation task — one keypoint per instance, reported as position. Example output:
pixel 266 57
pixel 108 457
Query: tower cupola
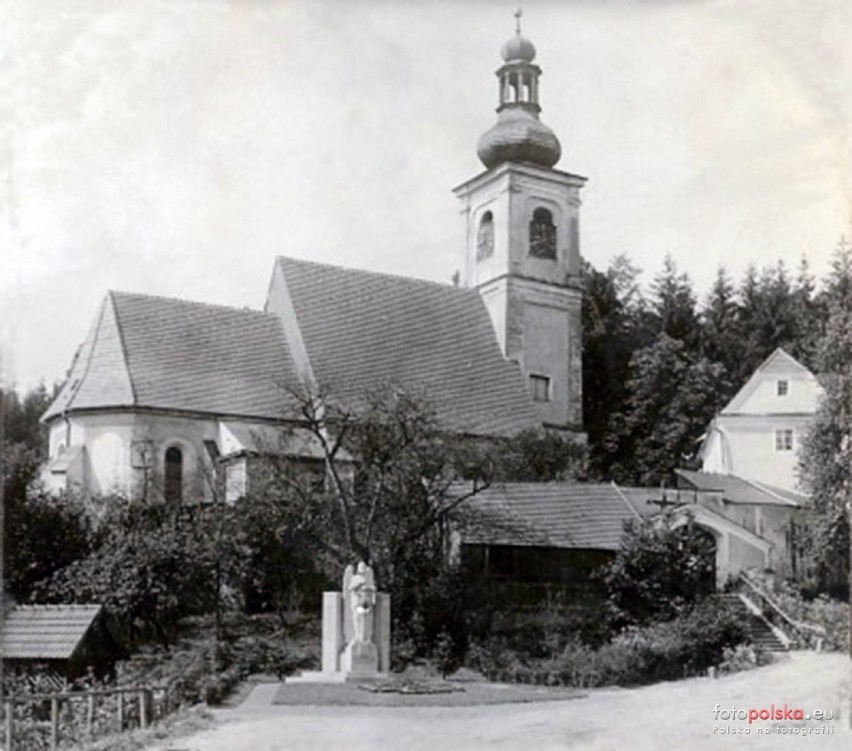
pixel 519 135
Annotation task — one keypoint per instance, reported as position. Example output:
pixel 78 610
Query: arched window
pixel 173 486
pixel 485 237
pixel 542 234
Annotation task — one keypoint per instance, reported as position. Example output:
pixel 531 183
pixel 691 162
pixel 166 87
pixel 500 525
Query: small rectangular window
pixel 540 388
pixel 783 388
pixel 784 439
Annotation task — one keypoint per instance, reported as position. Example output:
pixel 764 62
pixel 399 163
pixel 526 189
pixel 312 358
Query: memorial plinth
pixel 355 631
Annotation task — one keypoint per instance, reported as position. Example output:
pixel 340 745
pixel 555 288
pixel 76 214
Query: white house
pixel 757 435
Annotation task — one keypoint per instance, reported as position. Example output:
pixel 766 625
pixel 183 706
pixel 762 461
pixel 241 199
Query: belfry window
pixel 542 234
pixel 485 237
pixel 173 485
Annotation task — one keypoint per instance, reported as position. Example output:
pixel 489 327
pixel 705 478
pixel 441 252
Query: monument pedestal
pixel 345 657
pixel 360 657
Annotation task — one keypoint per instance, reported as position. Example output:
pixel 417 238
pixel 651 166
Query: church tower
pixel 521 224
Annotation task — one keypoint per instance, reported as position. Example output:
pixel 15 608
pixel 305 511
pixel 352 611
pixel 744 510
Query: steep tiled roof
pixel 172 354
pixel 46 632
pixel 548 514
pixel 738 490
pixel 360 329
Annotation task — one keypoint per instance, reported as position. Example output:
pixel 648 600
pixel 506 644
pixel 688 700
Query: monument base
pixel 315 676
pixel 360 657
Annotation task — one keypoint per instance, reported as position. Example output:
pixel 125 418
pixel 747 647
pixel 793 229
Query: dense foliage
pixel 658 365
pixel 826 453
pixel 662 568
pixel 702 636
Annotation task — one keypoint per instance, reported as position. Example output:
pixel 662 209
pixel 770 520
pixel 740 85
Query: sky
pixel 175 148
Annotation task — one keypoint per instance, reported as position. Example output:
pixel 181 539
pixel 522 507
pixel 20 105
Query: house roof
pixel 779 363
pixel 739 490
pixel 548 514
pixel 360 329
pixel 156 352
pixel 45 632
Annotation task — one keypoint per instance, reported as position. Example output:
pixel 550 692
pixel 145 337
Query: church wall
pixel 125 451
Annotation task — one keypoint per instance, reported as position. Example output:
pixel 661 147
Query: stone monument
pixel 355 630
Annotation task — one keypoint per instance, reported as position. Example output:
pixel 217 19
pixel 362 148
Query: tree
pixel 663 566
pixel 674 305
pixel 616 322
pixel 722 337
pixel 389 495
pixel 672 397
pixel 825 458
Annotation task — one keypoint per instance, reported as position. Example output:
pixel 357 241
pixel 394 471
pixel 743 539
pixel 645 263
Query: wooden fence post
pixel 54 723
pixel 120 711
pixel 8 710
pixel 143 708
pixel 90 715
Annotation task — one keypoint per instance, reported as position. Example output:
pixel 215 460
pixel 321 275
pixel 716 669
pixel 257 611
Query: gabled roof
pixel 552 514
pixel 45 632
pixel 739 490
pixel 360 329
pixel 162 353
pixel 776 366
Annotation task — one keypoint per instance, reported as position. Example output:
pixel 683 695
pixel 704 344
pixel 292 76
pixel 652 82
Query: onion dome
pixel 519 135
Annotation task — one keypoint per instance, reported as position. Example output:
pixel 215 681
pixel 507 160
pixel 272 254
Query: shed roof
pixel 46 632
pixel 554 514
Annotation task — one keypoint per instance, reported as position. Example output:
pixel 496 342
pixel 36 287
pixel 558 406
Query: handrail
pixel 799 625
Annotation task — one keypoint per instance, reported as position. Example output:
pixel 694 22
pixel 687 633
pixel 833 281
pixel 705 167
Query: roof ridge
pixel 382 274
pixel 123 345
pixel 78 383
pixel 624 498
pixel 197 303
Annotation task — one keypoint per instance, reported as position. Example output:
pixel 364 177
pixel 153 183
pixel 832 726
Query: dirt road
pixel 681 715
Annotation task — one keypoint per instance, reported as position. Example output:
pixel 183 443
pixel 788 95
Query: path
pixel 677 715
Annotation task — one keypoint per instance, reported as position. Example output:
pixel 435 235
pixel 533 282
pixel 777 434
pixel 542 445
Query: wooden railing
pixel 807 634
pixel 144 706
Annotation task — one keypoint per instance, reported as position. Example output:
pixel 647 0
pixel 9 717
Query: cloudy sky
pixel 176 147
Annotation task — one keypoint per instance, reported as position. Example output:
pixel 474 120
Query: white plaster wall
pixel 752 453
pixel 546 353
pixel 108 437
pixel 802 396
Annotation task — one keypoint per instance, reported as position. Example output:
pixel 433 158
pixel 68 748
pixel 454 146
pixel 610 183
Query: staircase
pixel 761 633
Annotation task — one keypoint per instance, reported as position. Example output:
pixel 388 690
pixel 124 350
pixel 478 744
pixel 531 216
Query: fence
pixel 45 721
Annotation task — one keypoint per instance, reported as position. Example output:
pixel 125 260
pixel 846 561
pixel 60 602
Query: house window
pixel 784 439
pixel 540 388
pixel 485 237
pixel 173 486
pixel 542 234
pixel 783 388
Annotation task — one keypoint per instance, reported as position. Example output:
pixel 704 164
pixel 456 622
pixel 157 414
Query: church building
pixel 161 388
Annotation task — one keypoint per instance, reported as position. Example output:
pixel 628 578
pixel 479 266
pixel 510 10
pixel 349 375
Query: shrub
pixel 684 646
pixel 659 572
